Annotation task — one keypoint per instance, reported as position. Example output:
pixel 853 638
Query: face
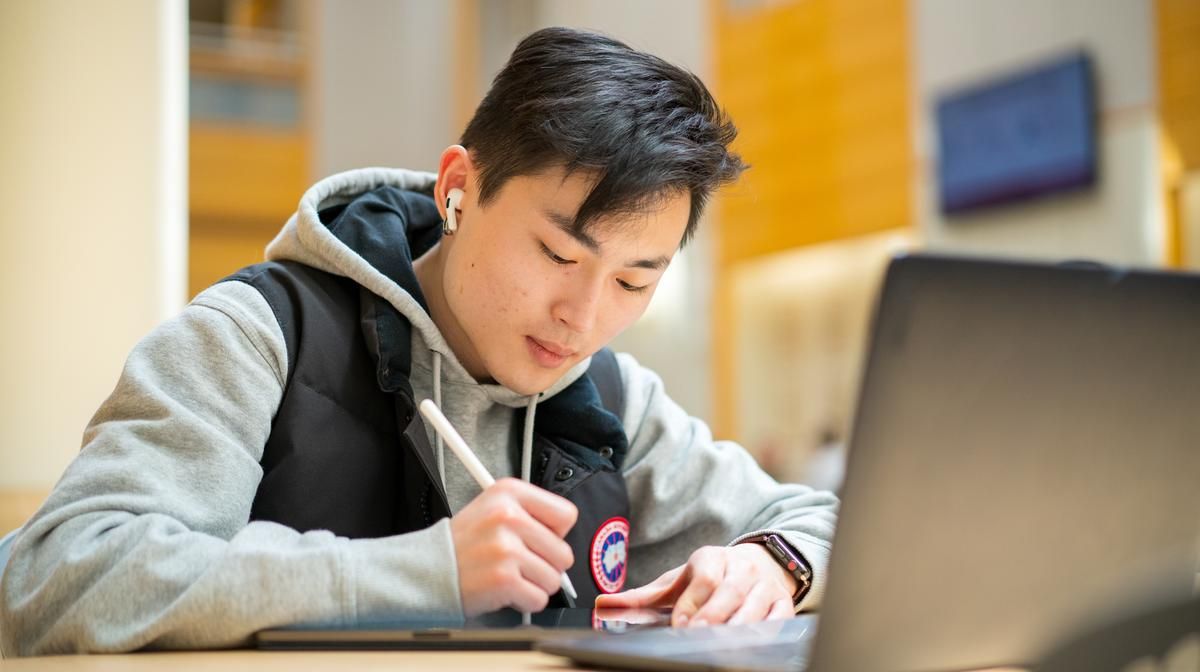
pixel 528 299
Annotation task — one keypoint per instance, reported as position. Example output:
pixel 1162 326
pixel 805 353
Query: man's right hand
pixel 509 546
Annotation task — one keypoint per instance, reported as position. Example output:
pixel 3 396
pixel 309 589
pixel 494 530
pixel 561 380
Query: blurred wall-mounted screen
pixel 1022 136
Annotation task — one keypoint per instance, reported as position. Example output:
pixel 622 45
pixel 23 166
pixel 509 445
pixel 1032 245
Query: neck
pixel 430 269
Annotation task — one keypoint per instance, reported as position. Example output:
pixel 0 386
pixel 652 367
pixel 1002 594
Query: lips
pixel 553 347
pixel 547 354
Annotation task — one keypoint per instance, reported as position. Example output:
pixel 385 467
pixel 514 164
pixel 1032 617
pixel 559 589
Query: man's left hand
pixel 718 584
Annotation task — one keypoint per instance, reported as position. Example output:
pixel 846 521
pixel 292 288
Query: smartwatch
pixel 789 558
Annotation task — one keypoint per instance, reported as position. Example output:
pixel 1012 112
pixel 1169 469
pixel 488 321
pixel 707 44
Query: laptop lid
pixel 1024 465
pixel 1025 462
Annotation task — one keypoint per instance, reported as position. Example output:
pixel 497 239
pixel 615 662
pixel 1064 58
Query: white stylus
pixel 474 467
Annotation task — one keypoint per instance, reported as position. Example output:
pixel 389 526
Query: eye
pixel 554 257
pixel 632 288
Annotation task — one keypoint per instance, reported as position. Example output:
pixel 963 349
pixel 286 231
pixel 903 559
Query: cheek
pixel 476 294
pixel 493 290
pixel 620 315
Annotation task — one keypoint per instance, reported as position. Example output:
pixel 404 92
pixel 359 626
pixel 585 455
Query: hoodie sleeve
pixel 687 490
pixel 145 540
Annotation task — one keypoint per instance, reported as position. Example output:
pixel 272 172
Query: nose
pixel 578 307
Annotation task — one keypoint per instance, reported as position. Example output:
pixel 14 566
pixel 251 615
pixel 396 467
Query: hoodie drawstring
pixel 526 442
pixel 437 400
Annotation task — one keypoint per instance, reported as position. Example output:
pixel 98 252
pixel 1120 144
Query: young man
pixel 260 461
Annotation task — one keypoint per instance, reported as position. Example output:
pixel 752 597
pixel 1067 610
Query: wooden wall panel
pixel 820 91
pixel 216 252
pixel 245 172
pixel 244 182
pixel 1178 24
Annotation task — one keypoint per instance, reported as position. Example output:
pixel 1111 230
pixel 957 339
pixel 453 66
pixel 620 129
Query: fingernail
pixel 699 623
pixel 682 620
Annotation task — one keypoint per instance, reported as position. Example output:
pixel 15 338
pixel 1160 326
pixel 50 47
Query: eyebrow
pixel 567 225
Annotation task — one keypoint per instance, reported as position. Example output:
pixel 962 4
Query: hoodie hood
pixel 377 253
pixel 369 225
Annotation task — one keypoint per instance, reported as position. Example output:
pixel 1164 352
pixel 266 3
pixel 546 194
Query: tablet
pixel 504 630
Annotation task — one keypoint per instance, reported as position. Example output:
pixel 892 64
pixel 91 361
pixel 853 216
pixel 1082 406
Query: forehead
pixel 554 196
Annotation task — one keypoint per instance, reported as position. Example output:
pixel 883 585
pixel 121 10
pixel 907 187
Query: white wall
pixel 381 91
pixel 958 42
pixel 93 233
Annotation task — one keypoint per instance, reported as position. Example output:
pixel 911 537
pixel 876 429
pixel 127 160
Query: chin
pixel 534 382
pixel 531 379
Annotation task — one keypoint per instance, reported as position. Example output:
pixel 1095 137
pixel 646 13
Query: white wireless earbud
pixel 453 200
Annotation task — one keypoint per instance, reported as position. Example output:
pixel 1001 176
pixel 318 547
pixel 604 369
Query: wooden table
pixel 292 661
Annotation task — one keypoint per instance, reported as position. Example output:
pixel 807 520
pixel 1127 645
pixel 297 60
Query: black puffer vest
pixel 348 453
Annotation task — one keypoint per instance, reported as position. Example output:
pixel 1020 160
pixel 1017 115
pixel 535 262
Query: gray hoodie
pixel 145 541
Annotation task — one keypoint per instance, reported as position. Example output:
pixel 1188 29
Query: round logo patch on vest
pixel 610 548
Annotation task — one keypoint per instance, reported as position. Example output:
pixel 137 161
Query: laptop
pixel 1024 464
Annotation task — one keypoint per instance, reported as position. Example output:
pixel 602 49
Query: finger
pixel 556 513
pixel 755 607
pixel 542 541
pixel 707 570
pixel 781 609
pixel 526 596
pixel 539 572
pixel 726 599
pixel 659 592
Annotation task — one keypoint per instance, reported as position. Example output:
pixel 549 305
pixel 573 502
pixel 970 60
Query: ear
pixel 455 171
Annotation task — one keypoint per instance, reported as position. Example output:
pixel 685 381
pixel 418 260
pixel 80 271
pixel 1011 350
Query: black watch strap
pixel 790 559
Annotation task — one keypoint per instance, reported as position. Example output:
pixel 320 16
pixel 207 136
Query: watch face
pixel 793 562
pixel 789 559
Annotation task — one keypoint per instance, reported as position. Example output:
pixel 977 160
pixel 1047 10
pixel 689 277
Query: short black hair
pixel 644 128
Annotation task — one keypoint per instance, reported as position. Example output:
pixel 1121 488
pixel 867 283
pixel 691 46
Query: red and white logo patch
pixel 610 548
